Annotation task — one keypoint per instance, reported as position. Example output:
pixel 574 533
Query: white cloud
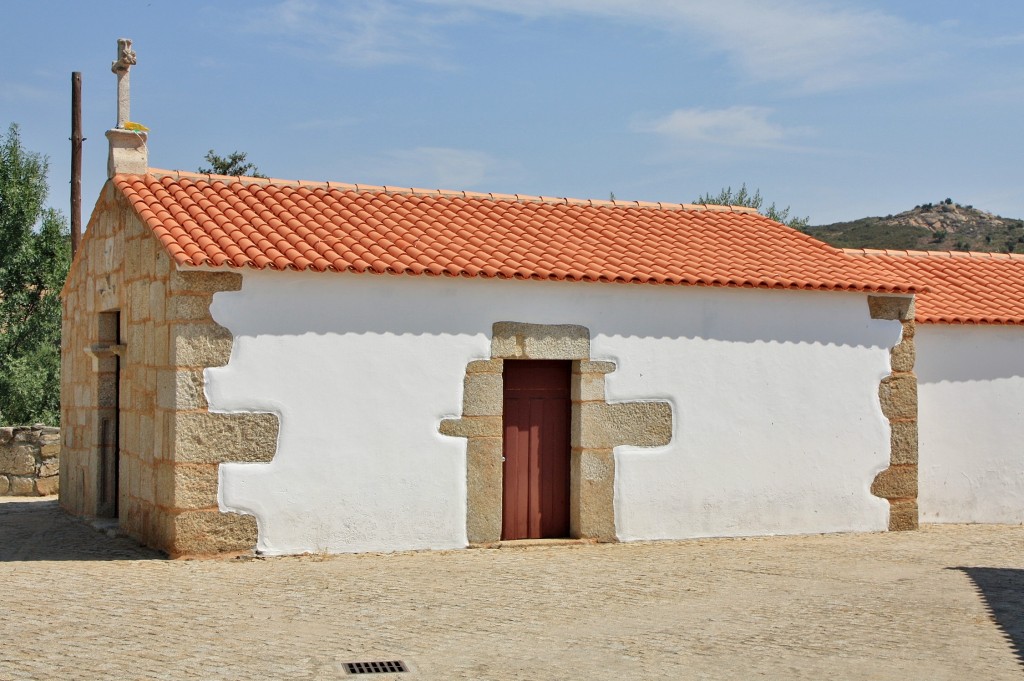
pixel 735 126
pixel 357 32
pixel 434 167
pixel 810 45
pixel 803 45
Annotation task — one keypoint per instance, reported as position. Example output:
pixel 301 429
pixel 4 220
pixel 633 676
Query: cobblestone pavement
pixel 946 602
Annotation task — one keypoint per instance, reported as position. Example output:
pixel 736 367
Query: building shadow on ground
pixel 40 530
pixel 1002 589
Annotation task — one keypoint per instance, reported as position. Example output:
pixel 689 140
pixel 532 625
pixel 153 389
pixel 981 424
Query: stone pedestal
pixel 128 152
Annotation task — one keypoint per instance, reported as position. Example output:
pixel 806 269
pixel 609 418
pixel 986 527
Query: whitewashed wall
pixel 971 423
pixel 777 426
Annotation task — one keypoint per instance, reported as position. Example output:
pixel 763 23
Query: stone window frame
pixel 597 428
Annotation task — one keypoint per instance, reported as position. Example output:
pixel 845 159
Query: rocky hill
pixel 941 226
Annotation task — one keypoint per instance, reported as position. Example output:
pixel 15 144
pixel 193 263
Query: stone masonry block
pixel 204 282
pixel 898 395
pixel 540 341
pixel 18 460
pixel 597 425
pixel 896 482
pixel 5 484
pixel 107 331
pixel 903 355
pixel 186 486
pixel 482 395
pixel 49 467
pixel 202 533
pixel 138 300
pixel 891 307
pixel 584 366
pixel 180 389
pixel 200 345
pixel 903 442
pixel 46 487
pixel 594 482
pixel 22 487
pixel 157 300
pixel 472 426
pixel 485 366
pixel 184 307
pixel 903 515
pixel 484 473
pixel 587 387
pixel 201 437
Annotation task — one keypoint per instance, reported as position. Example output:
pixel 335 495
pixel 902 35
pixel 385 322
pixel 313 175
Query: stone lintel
pixel 519 340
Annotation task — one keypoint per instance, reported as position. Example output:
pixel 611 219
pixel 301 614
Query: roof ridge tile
pixel 180 175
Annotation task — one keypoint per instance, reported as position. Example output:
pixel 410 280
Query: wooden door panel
pixel 536 449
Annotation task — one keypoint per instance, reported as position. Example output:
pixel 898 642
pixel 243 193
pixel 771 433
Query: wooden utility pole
pixel 76 160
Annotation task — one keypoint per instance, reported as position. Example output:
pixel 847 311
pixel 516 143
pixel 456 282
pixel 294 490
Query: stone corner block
pixel 204 344
pixel 187 486
pixel 205 282
pixel 205 533
pixel 204 437
pixel 891 307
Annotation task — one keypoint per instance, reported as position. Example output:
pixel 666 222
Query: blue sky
pixel 837 109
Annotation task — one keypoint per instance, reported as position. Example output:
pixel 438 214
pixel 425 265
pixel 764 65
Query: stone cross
pixel 125 60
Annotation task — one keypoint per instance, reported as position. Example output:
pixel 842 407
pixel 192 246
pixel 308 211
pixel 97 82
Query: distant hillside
pixel 945 226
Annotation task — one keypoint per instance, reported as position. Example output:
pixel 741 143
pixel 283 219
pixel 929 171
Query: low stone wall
pixel 29 461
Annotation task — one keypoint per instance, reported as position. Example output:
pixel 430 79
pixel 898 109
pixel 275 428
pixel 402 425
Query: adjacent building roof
pixel 957 287
pixel 231 222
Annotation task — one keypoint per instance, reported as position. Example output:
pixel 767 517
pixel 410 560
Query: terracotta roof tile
pixel 215 221
pixel 958 287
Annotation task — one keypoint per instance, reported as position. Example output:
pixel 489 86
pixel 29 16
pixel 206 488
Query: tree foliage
pixel 743 197
pixel 35 253
pixel 232 164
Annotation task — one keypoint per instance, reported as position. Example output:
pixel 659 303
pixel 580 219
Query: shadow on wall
pixel 40 530
pixel 306 303
pixel 1003 592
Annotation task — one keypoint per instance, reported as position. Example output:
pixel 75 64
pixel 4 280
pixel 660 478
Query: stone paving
pixel 946 602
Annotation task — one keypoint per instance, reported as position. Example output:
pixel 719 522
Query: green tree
pixel 743 197
pixel 232 164
pixel 35 253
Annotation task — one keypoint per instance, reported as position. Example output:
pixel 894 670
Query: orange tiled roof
pixel 958 287
pixel 244 222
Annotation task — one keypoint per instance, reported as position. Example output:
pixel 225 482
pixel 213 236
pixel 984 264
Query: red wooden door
pixel 537 412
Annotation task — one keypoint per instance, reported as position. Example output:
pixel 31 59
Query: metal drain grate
pixel 383 667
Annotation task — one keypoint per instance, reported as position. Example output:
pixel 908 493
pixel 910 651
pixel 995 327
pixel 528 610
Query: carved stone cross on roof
pixel 125 60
